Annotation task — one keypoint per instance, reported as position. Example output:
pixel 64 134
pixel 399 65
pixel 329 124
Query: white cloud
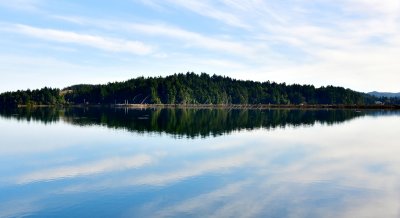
pixel 24 5
pixel 99 42
pixel 210 11
pixel 387 7
pixel 203 8
pixel 194 39
pixel 190 39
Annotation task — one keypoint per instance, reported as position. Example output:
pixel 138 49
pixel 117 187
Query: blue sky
pixel 350 43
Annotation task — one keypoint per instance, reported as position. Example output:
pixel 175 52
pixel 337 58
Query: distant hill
pixel 189 88
pixel 385 94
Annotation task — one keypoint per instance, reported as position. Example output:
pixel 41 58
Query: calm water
pixel 199 163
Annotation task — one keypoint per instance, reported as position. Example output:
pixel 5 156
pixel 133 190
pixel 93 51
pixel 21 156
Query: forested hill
pixel 189 88
pixel 44 96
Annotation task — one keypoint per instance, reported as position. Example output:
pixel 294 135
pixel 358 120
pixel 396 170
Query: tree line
pixel 44 96
pixel 190 88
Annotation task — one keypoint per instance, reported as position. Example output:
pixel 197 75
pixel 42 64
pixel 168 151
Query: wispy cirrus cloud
pixel 95 41
pixel 203 8
pixel 385 8
pixel 190 39
pixel 24 5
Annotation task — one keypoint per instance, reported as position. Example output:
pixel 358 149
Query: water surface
pixel 105 162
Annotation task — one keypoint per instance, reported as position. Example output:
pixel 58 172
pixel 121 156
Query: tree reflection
pixel 184 122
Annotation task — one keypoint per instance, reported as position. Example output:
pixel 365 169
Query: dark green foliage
pixel 191 88
pixel 44 96
pixel 389 100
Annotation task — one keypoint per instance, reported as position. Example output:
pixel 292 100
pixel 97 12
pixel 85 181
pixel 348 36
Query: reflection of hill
pixel 45 114
pixel 184 122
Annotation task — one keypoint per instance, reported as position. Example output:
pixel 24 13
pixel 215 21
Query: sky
pixel 57 43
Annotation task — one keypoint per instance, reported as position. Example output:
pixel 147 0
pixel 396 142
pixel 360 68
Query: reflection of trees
pixel 45 114
pixel 183 122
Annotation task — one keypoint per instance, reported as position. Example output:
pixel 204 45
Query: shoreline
pixel 225 106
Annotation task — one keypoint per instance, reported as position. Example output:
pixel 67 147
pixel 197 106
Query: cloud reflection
pixel 102 166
